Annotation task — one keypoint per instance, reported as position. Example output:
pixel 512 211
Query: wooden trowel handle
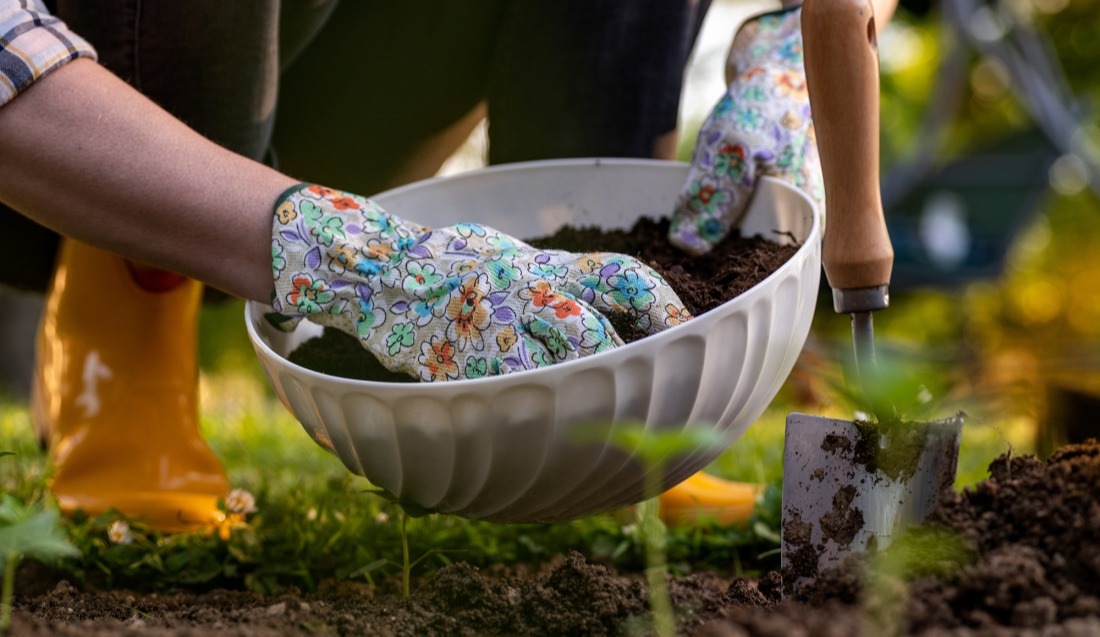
pixel 841 57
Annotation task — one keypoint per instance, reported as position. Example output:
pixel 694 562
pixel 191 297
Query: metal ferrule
pixel 861 299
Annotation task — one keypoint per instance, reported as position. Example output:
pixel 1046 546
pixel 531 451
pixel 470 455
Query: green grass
pixel 316 520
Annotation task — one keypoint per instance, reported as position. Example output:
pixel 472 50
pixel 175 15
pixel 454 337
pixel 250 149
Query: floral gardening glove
pixel 464 301
pixel 761 126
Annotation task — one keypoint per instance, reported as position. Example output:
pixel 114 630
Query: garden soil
pixel 703 282
pixel 1031 567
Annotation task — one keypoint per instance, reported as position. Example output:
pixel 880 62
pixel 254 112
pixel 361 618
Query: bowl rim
pixel 609 357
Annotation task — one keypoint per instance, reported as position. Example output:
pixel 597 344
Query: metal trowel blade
pixel 849 487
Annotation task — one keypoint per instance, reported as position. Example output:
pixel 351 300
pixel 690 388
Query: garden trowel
pixel 848 486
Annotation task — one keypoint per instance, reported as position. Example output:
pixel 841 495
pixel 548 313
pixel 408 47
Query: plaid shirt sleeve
pixel 33 43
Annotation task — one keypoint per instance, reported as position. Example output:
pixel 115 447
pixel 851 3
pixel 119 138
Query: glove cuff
pixel 772 40
pixel 309 226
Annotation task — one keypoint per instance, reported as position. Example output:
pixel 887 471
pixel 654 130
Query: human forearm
pixel 83 153
pixel 884 10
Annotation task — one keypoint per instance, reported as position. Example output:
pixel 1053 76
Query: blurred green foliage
pixel 1002 349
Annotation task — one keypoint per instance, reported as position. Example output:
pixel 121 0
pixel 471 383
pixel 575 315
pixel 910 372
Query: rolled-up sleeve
pixel 33 43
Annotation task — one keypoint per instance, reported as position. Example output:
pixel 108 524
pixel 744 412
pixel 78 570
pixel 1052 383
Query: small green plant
pixel 408 510
pixel 920 551
pixel 899 386
pixel 655 449
pixel 406 565
pixel 27 532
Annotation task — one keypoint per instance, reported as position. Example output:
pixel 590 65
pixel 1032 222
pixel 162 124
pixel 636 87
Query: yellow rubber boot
pixel 115 393
pixel 703 496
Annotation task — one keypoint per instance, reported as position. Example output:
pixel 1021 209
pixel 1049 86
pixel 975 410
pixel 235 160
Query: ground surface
pixel 1030 565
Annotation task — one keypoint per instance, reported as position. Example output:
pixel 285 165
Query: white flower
pixel 382 517
pixel 119 532
pixel 240 501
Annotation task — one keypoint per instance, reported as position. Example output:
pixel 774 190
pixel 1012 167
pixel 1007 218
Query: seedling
pixel 27 532
pixel 903 388
pixel 407 510
pixel 924 551
pixel 654 449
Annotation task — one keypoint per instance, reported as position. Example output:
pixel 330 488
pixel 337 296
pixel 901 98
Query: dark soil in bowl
pixel 702 282
pixel 1029 565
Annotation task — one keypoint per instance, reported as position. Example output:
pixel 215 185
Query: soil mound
pixel 1035 528
pixel 1029 565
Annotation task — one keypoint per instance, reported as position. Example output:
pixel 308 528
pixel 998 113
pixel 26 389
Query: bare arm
pixel 88 156
pixel 884 10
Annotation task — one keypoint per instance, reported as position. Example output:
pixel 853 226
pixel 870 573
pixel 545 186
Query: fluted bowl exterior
pixel 541 445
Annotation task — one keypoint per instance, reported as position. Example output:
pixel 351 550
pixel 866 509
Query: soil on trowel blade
pixel 702 282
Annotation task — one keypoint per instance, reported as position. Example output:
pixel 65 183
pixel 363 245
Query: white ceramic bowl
pixel 519 447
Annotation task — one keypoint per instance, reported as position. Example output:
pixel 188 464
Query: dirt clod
pixel 843 521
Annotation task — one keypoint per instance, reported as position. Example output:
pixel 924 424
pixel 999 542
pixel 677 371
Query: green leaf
pixel 764 532
pixel 35 534
pixel 372 566
pixel 12 510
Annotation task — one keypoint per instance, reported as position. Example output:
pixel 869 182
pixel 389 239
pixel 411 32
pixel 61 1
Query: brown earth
pixel 703 282
pixel 1031 566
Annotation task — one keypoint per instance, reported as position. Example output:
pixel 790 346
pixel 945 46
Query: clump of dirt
pixel 1035 527
pixel 802 556
pixel 893 448
pixel 843 521
pixel 702 282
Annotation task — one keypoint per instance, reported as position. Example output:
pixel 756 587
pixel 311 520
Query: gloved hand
pixel 761 126
pixel 464 301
